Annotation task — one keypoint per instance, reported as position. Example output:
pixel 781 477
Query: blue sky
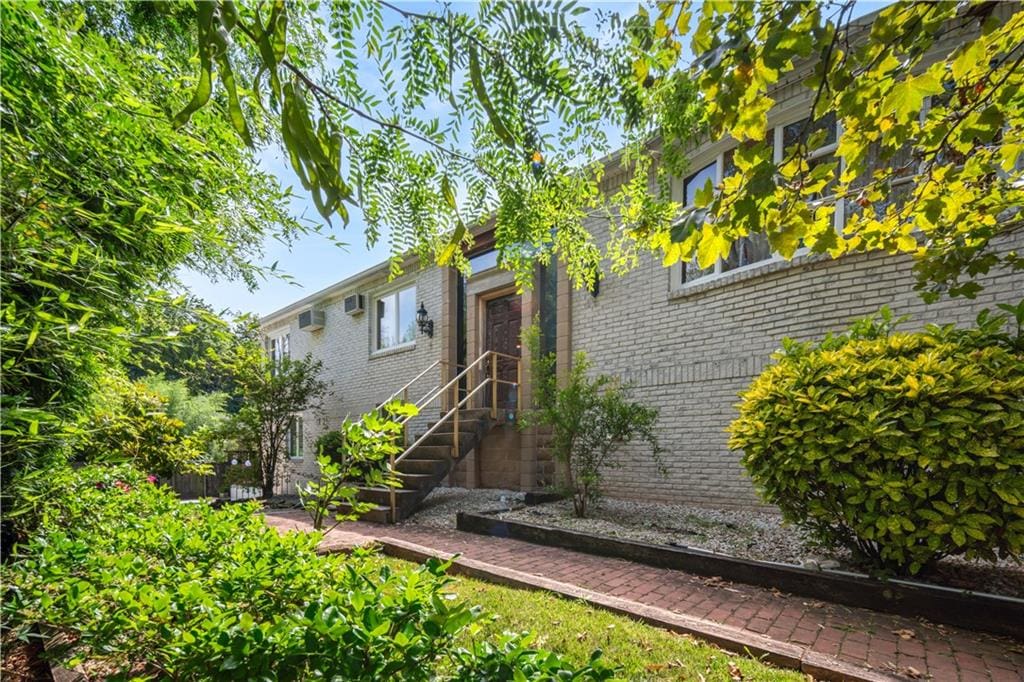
pixel 314 261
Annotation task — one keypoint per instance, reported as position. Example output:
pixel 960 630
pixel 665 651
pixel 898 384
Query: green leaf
pixel 477 80
pixel 201 95
pixel 906 98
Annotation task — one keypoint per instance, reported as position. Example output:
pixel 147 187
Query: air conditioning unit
pixel 355 304
pixel 311 320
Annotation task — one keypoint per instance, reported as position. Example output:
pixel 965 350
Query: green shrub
pixel 361 454
pixel 590 418
pixel 148 587
pixel 903 447
pixel 128 421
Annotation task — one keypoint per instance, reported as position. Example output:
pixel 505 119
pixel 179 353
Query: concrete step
pixel 442 452
pixel 447 439
pixel 414 465
pixel 418 481
pixel 382 496
pixel 381 513
pixel 465 425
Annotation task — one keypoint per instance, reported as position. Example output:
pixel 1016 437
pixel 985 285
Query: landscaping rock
pixel 439 508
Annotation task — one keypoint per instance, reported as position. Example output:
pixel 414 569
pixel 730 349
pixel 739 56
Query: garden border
pixel 977 611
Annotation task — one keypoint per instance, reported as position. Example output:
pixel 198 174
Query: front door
pixel 504 321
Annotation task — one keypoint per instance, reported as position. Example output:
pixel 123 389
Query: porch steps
pixel 426 466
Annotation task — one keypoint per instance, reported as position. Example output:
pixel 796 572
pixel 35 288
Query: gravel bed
pixel 757 534
pixel 440 506
pixel 744 533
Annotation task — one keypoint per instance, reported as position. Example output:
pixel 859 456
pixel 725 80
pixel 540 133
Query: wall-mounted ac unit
pixel 311 320
pixel 355 304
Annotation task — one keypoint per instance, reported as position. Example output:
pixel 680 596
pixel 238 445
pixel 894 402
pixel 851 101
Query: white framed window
pixel 279 348
pixel 796 131
pixel 746 250
pixel 395 319
pixel 296 446
pixel 754 249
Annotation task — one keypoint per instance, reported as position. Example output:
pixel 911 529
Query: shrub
pixel 202 414
pixel 128 421
pixel 145 586
pixel 362 451
pixel 590 419
pixel 902 447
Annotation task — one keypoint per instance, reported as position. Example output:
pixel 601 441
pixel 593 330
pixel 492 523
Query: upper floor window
pixel 279 348
pixel 396 318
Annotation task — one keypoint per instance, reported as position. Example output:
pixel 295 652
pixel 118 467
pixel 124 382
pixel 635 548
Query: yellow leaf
pixel 713 245
pixel 907 243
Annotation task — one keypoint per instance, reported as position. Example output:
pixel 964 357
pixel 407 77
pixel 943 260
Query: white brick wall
pixel 359 378
pixel 690 355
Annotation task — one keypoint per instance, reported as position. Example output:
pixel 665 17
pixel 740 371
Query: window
pixel 746 250
pixel 698 181
pixel 755 248
pixel 279 348
pixel 396 318
pixel 483 261
pixel 295 445
pixel 799 131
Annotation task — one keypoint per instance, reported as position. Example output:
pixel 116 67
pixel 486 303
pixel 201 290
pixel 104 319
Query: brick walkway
pixel 892 646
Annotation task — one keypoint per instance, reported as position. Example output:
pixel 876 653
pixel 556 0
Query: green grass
pixel 575 629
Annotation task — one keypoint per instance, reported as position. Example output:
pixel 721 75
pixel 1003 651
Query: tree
pixel 498 113
pixel 183 337
pixel 590 418
pixel 942 185
pixel 272 394
pixel 104 199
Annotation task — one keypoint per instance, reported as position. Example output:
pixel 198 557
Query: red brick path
pixel 892 645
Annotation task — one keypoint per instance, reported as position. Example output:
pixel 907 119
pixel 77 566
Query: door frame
pixel 481 313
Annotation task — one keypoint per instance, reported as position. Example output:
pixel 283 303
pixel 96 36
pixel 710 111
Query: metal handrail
pixel 440 422
pixel 405 389
pixel 453 413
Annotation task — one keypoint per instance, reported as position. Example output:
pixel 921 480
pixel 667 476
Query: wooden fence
pixel 194 486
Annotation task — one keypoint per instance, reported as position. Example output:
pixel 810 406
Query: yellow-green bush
pixel 903 447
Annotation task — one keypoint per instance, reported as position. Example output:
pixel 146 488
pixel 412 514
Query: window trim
pixel 300 442
pixel 715 153
pixel 375 348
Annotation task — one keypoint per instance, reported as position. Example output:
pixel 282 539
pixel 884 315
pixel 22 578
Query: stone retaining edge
pixel 982 612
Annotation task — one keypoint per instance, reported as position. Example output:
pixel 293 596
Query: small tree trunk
pixel 579 501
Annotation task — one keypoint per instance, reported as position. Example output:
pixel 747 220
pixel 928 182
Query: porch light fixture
pixel 426 325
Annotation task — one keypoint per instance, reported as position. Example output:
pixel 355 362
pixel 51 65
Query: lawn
pixel 575 629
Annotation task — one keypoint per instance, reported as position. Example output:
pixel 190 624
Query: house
pixel 687 341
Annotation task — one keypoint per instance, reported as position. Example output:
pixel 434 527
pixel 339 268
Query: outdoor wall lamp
pixel 426 325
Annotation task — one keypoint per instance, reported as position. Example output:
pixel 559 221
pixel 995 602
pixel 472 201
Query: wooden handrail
pixel 431 397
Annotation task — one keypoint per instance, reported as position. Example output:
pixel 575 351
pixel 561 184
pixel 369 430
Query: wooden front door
pixel 504 321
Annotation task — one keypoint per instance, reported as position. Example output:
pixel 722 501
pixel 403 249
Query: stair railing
pixel 453 385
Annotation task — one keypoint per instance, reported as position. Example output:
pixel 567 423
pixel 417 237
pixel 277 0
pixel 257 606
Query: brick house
pixel 687 340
